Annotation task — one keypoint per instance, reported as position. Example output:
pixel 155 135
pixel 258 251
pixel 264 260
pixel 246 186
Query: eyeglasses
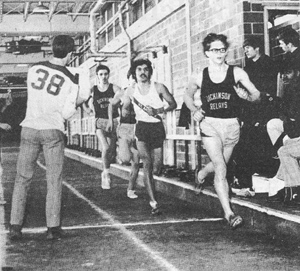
pixel 218 50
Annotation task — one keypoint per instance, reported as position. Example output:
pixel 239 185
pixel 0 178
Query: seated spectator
pixel 254 139
pixel 287 130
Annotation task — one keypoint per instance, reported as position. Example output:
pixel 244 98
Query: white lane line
pixel 98 226
pixel 131 236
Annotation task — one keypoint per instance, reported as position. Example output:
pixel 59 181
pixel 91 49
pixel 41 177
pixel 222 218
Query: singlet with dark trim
pixel 101 102
pixel 73 77
pixel 219 100
pixel 49 86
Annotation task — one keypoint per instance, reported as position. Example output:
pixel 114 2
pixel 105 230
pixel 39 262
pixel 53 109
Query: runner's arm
pixel 189 97
pixel 168 97
pixel 251 93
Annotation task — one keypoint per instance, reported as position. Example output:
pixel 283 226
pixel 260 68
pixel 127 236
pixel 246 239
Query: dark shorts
pixel 151 133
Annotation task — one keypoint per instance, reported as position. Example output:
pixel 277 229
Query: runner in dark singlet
pixel 219 125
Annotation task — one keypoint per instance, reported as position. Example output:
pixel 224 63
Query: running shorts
pixel 228 130
pixel 152 133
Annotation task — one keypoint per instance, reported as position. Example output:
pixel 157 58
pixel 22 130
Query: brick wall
pixel 234 18
pixel 253 19
pixel 219 16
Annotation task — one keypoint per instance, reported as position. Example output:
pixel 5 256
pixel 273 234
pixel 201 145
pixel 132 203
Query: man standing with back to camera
pixel 52 98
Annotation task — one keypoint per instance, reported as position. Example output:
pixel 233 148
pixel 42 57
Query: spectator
pixel 5 127
pixel 287 129
pixel 254 139
pixel 288 40
pixel 218 114
pixel 261 69
pixel 127 150
pixel 147 97
pixel 52 98
pixel 98 103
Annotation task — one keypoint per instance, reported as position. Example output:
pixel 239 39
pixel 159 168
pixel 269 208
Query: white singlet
pixel 152 99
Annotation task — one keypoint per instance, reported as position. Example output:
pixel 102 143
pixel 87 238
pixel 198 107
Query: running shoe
pixel 243 192
pixel 15 232
pixel 54 233
pixel 235 221
pixel 131 194
pixel 155 210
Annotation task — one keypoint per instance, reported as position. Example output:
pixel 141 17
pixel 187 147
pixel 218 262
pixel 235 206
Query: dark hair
pixel 255 42
pixel 289 35
pixel 102 67
pixel 62 45
pixel 129 73
pixel 211 37
pixel 141 62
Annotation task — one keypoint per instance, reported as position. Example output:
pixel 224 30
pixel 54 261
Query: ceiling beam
pixel 52 8
pixel 1 11
pixel 63 1
pixel 14 25
pixel 26 10
pixel 77 9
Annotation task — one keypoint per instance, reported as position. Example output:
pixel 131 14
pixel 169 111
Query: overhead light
pixel 40 9
pixel 22 65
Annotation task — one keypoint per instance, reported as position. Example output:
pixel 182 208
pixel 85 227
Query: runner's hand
pixel 198 115
pixel 5 126
pixel 110 126
pixel 151 111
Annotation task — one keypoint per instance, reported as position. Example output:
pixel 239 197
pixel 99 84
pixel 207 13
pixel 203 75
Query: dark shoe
pixel 292 197
pixel 15 232
pixel 155 211
pixel 55 233
pixel 292 194
pixel 235 221
pixel 279 197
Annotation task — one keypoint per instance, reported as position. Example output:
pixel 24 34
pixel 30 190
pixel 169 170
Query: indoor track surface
pixel 105 230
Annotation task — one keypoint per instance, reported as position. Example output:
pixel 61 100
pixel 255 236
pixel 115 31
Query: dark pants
pixel 253 154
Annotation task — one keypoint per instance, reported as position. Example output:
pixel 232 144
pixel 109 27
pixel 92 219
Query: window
pixel 110 33
pixel 102 39
pixel 110 12
pixel 118 29
pixel 149 4
pixel 136 12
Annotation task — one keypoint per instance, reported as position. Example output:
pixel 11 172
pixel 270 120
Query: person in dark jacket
pixel 288 128
pixel 288 40
pixel 254 139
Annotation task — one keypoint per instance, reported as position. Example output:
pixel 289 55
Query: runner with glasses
pixel 218 114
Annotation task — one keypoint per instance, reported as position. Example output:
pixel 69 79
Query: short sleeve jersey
pixel 48 87
pixel 219 100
